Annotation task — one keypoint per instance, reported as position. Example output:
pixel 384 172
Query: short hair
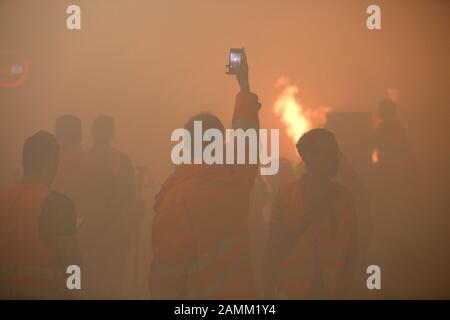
pixel 104 123
pixel 209 121
pixel 307 141
pixel 68 129
pixel 38 150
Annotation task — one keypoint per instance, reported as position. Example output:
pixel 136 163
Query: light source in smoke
pixel 296 117
pixel 375 158
pixel 392 94
pixel 14 69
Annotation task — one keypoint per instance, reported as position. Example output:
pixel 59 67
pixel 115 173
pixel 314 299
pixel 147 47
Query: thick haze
pixel 153 64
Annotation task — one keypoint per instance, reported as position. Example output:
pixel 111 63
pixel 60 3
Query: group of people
pixel 80 207
pixel 72 207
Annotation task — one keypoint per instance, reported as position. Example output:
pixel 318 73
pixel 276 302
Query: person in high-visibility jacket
pixel 312 242
pixel 200 239
pixel 37 228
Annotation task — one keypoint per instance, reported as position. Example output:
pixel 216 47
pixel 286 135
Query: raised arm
pixel 245 117
pixel 246 108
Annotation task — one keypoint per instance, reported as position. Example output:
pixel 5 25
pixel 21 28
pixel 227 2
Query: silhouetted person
pixel 112 211
pixel 312 243
pixel 73 172
pixel 200 230
pixel 263 193
pixel 349 178
pixel 394 154
pixel 37 228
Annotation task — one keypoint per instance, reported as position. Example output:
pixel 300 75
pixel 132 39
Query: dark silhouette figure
pixel 397 193
pixel 112 211
pixel 311 248
pixel 394 153
pixel 350 179
pixel 259 212
pixel 73 171
pixel 37 228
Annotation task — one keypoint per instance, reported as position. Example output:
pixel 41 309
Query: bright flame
pixel 296 117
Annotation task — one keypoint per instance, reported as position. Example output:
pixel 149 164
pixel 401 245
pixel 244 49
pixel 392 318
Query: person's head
pixel 320 152
pixel 387 110
pixel 208 121
pixel 68 130
pixel 103 130
pixel 40 157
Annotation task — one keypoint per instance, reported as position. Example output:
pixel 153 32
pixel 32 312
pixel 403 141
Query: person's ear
pixel 304 157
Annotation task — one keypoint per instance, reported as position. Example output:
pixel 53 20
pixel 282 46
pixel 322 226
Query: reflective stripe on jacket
pixel 27 266
pixel 200 230
pixel 316 264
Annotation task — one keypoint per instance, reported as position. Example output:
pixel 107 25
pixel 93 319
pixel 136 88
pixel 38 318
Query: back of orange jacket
pixel 317 262
pixel 200 232
pixel 28 268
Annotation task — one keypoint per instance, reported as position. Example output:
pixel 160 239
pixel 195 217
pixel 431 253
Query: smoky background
pixel 153 64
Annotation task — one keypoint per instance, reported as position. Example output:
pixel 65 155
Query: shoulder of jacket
pixel 344 193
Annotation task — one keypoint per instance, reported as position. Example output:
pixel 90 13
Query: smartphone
pixel 236 57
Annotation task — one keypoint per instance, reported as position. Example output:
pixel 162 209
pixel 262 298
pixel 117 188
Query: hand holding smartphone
pixel 236 59
pixel 238 65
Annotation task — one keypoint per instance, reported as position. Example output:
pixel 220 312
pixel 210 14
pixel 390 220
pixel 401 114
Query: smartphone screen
pixel 235 58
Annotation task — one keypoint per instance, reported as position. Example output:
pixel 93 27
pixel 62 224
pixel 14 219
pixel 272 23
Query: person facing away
pixel 348 177
pixel 311 245
pixel 200 230
pixel 394 153
pixel 37 228
pixel 73 172
pixel 111 212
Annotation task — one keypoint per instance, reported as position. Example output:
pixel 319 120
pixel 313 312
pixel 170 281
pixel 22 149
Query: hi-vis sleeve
pixel 173 250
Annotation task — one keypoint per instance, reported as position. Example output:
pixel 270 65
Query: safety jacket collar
pixel 192 172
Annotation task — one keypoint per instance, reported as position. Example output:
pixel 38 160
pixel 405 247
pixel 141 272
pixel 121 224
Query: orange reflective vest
pixel 27 266
pixel 200 237
pixel 317 263
pixel 200 230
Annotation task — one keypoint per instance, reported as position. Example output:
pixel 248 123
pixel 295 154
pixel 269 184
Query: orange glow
pixel 296 117
pixel 392 94
pixel 375 158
